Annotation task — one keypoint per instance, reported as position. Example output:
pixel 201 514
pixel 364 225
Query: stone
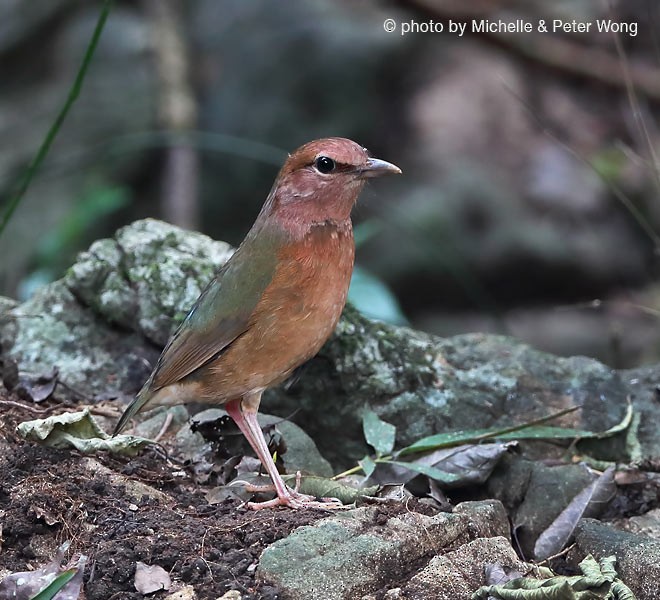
pixel 637 556
pixel 186 592
pixel 458 573
pixel 345 556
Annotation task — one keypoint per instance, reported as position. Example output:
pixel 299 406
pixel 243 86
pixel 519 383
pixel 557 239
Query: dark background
pixel 530 185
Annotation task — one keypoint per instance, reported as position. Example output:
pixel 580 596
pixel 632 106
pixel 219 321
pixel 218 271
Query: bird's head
pixel 321 181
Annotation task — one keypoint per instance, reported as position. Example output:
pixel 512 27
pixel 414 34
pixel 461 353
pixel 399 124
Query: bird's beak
pixel 376 167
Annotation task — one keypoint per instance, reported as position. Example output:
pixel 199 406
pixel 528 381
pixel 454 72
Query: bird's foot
pixel 292 498
pixel 295 500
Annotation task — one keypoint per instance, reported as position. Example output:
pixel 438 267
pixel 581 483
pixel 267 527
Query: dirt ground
pixel 46 499
pixel 48 496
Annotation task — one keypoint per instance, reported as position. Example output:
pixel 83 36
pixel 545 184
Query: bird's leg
pixel 244 413
pixel 238 413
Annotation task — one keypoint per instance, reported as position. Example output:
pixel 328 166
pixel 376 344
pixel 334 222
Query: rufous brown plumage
pixel 275 302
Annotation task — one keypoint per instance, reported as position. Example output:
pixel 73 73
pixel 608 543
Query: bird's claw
pixel 292 498
pixel 298 501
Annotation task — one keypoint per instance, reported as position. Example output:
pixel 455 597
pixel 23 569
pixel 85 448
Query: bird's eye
pixel 324 164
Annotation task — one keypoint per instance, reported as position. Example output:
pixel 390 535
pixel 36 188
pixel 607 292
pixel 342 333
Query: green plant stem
pixel 358 468
pixel 74 92
pixel 477 438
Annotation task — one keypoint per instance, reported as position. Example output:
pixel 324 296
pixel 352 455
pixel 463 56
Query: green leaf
pixel 374 299
pixel 453 438
pixel 322 487
pixel 623 425
pixel 432 472
pixel 368 465
pixel 55 586
pixel 546 432
pixel 530 431
pixel 379 434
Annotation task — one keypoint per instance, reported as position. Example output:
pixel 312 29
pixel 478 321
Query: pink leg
pixel 244 413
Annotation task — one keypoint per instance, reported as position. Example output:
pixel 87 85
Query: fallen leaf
pixel 80 431
pixel 321 487
pixel 452 467
pixel 37 388
pixel 45 515
pixel 393 491
pixel 598 580
pixel 588 503
pixel 497 574
pixel 151 578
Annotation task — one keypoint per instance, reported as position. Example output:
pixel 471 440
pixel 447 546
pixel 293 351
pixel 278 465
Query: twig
pixel 553 557
pixel 36 411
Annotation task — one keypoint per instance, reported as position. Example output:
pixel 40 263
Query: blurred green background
pixel 530 194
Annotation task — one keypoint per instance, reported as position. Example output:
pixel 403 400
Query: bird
pixel 274 303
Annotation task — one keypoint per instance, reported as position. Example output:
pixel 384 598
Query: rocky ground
pixel 120 512
pixel 581 491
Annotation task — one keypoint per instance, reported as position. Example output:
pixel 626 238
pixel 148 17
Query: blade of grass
pixel 633 100
pixel 56 585
pixel 74 92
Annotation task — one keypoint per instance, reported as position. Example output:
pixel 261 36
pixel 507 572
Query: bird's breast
pixel 295 315
pixel 306 296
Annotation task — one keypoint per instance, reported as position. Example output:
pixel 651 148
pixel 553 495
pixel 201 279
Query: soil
pixel 49 496
pixel 46 498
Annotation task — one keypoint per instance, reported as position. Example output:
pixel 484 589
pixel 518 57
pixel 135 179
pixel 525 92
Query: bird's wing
pixel 220 315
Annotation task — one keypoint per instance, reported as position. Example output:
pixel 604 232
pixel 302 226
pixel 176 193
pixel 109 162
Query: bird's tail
pixel 134 407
